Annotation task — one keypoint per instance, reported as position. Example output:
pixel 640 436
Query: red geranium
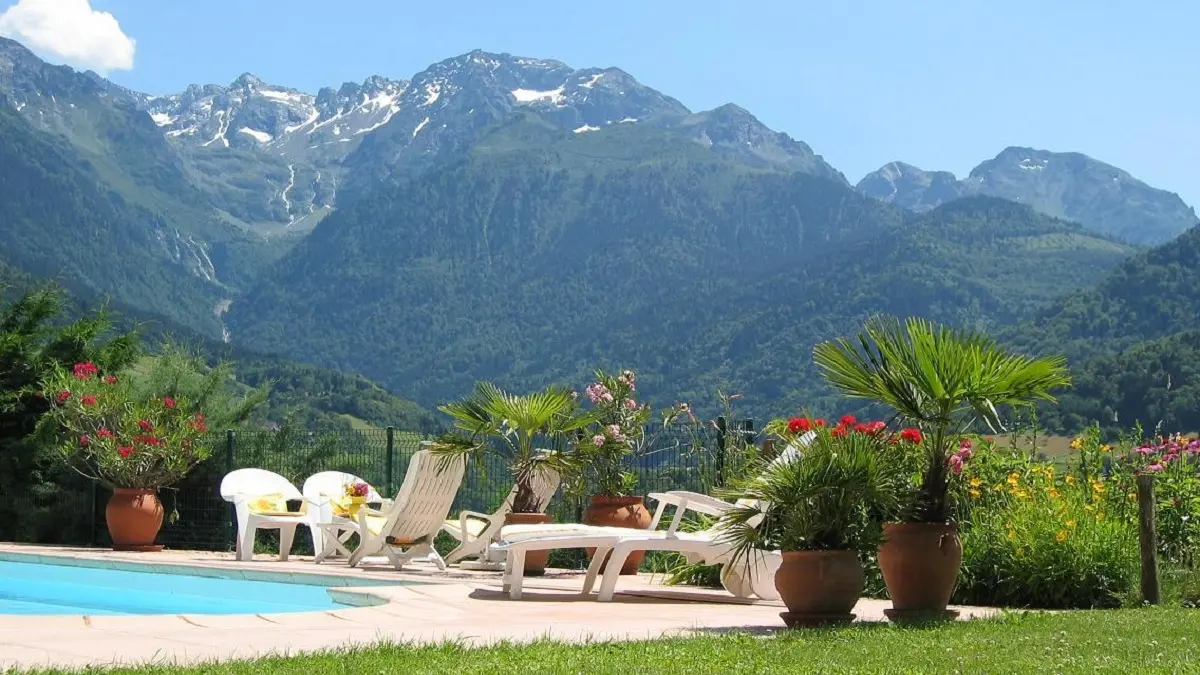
pixel 912 435
pixel 84 440
pixel 169 402
pixel 839 431
pixel 848 420
pixel 125 451
pixel 145 425
pixel 63 396
pixel 104 433
pixel 88 400
pixel 86 370
pixel 819 422
pixel 798 424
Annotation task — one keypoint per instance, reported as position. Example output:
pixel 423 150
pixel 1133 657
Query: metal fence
pixel 680 457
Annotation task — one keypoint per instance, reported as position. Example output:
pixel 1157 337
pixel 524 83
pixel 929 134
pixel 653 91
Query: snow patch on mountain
pixel 532 96
pixel 260 136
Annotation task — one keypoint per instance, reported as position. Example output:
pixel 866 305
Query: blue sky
pixel 942 85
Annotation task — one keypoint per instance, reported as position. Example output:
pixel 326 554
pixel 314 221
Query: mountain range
pixel 515 219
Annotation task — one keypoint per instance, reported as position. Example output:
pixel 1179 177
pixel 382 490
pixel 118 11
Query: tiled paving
pixel 434 606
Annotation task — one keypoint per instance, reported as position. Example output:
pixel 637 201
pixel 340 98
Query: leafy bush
pixel 110 435
pixel 1035 537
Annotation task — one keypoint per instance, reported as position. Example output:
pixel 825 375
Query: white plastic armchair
pixel 241 487
pixel 330 530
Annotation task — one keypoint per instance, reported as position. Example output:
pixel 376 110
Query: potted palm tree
pixel 822 507
pixel 511 426
pixel 942 382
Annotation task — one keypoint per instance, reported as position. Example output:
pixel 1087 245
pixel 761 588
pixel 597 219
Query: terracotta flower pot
pixel 920 563
pixel 819 587
pixel 619 512
pixel 535 561
pixel 134 517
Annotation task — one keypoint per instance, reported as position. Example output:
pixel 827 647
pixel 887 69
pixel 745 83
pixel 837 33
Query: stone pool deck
pixel 435 606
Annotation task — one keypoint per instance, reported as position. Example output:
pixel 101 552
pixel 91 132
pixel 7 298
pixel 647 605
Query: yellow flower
pixel 974 493
pixel 1054 493
pixel 1071 524
pixel 1070 480
pixel 1077 443
pixel 975 482
pixel 998 487
pixel 1061 536
pixel 1106 448
pixel 1097 486
pixel 1014 479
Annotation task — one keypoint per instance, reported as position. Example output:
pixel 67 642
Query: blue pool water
pixel 34 588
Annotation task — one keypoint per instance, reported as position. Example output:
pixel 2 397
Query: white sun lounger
pixel 407 528
pixel 746 578
pixel 614 544
pixel 476 532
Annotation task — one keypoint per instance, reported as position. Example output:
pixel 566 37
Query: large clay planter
pixel 535 561
pixel 619 512
pixel 134 517
pixel 819 587
pixel 920 564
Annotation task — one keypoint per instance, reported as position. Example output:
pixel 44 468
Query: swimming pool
pixel 39 588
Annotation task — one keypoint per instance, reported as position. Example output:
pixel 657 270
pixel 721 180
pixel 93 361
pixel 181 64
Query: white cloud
pixel 69 31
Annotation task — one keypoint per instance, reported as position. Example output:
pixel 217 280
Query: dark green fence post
pixel 722 436
pixel 391 460
pixel 230 441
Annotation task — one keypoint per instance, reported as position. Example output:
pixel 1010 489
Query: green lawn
pixel 1121 641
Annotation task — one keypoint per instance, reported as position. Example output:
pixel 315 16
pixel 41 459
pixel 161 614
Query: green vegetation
pixel 542 255
pixel 1125 641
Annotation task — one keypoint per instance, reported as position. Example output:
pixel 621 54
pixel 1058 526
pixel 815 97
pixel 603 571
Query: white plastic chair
pixel 407 528
pixel 476 532
pixel 331 530
pixel 241 487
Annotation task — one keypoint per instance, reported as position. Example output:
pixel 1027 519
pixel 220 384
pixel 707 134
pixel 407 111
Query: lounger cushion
pixel 475 526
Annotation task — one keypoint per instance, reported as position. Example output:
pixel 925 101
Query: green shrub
pixel 1047 542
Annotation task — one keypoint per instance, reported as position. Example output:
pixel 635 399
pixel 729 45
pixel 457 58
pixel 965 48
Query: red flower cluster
pixel 169 402
pixel 85 371
pixel 845 425
pixel 88 400
pixel 145 426
pixel 149 440
pixel 84 440
pixel 63 396
pixel 125 451
pixel 912 435
pixel 109 379
pixel 104 433
pixel 198 422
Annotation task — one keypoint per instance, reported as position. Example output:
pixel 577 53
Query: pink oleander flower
pixel 631 404
pixel 956 463
pixel 598 440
